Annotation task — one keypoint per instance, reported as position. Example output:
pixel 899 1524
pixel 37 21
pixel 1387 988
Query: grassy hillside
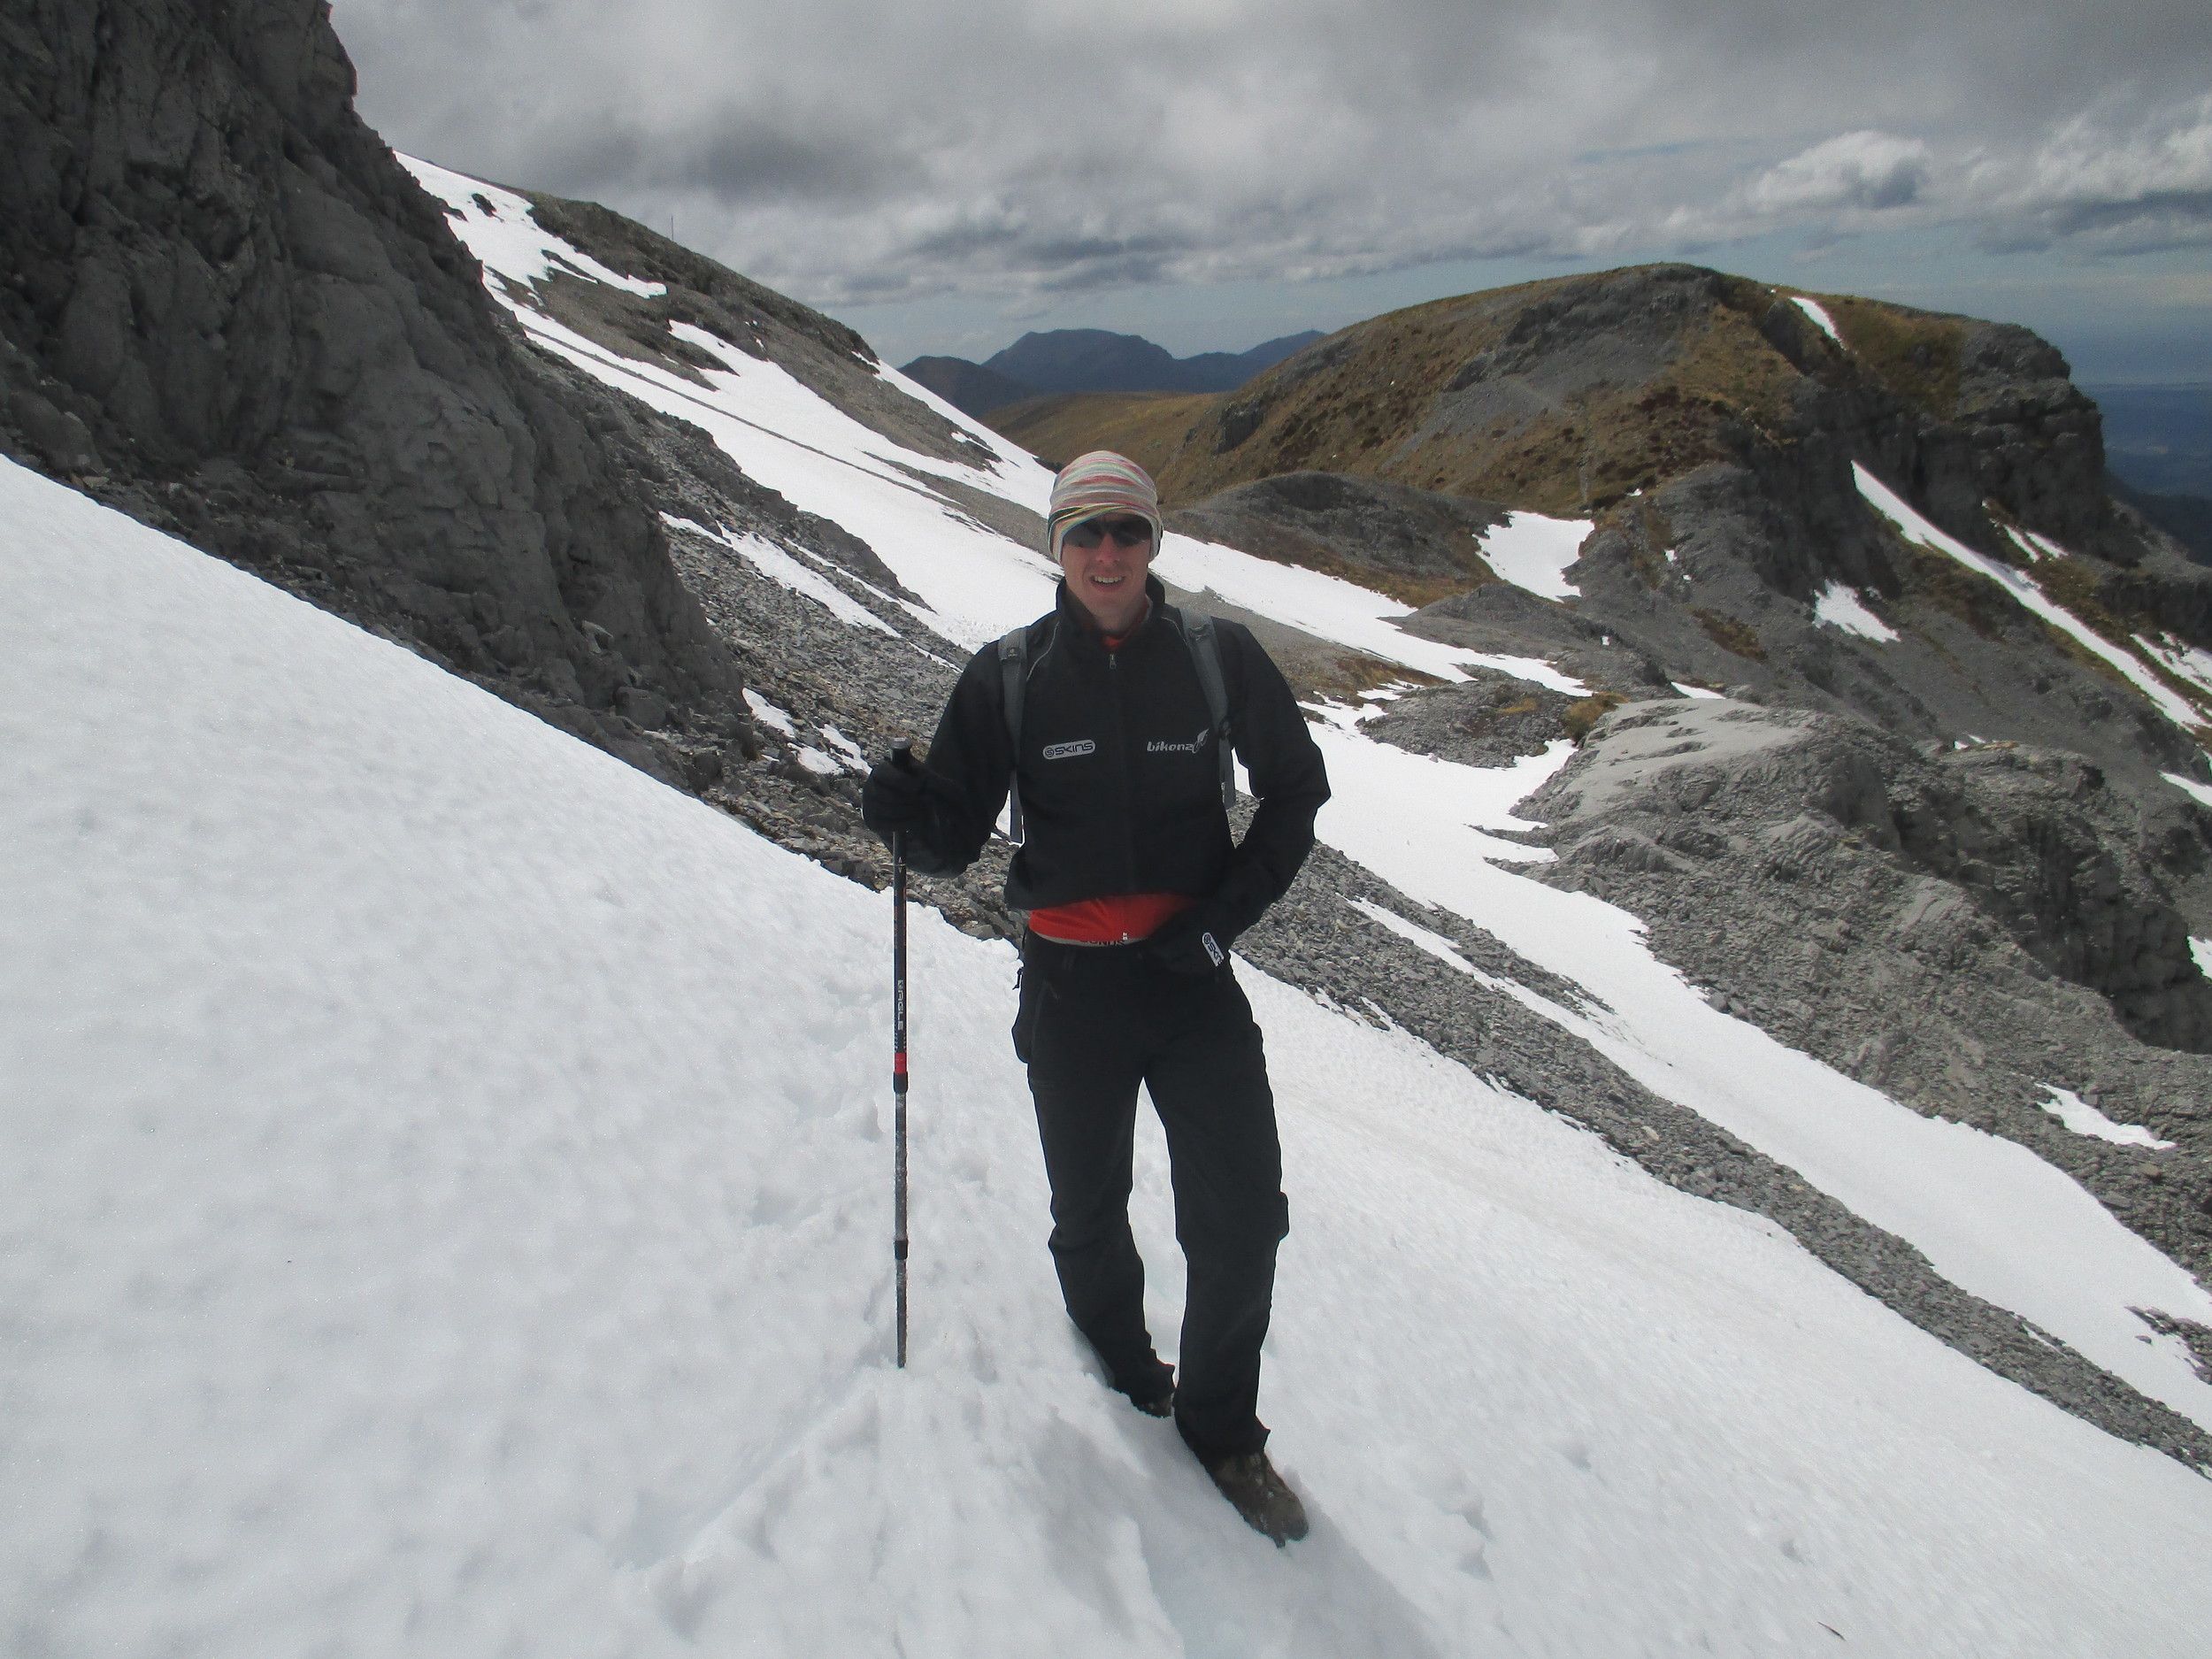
pixel 1147 426
pixel 1565 396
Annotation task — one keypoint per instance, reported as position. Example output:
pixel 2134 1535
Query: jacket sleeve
pixel 970 764
pixel 1287 778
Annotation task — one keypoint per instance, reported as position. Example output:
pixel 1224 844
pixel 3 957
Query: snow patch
pixel 2189 787
pixel 713 345
pixel 769 714
pixel 2084 1119
pixel 1818 313
pixel 1533 552
pixel 1435 944
pixel 506 240
pixel 974 584
pixel 1695 691
pixel 1841 607
pixel 1331 609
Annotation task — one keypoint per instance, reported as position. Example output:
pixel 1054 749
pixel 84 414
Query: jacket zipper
pixel 1128 798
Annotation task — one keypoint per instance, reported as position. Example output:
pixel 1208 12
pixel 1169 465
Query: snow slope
pixel 445 1209
pixel 1533 552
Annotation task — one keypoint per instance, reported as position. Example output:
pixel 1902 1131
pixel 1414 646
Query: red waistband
pixel 1120 920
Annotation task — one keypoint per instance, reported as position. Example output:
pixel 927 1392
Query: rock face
pixel 1965 930
pixel 230 312
pixel 1416 545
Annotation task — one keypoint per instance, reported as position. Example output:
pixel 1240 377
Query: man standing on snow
pixel 1135 890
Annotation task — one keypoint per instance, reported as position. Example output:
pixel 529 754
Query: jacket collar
pixel 1080 624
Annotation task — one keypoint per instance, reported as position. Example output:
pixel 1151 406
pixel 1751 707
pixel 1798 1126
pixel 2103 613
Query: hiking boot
pixel 1163 1406
pixel 1250 1483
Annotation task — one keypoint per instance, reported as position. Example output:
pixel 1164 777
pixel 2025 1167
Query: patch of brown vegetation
pixel 1730 633
pixel 1340 677
pixel 1356 414
pixel 1148 427
pixel 1376 400
pixel 1914 353
pixel 1578 718
pixel 1951 588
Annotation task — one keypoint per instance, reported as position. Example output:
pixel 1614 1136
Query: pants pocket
pixel 1036 990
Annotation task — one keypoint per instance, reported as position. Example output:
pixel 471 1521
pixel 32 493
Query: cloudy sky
pixel 1214 173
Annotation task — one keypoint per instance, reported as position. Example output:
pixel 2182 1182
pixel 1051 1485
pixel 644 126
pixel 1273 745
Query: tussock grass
pixel 1730 633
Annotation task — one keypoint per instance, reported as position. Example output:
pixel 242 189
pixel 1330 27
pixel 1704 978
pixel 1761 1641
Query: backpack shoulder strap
pixel 1205 653
pixel 1013 663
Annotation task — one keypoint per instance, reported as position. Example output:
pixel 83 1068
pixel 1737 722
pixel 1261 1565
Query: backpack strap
pixel 1205 654
pixel 1013 663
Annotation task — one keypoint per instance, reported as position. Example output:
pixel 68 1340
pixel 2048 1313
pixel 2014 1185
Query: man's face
pixel 1108 580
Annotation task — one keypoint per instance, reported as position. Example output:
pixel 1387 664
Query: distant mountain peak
pixel 1093 360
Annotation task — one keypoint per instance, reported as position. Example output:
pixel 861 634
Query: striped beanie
pixel 1099 482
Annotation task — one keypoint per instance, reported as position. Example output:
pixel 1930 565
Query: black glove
pixel 1194 941
pixel 895 801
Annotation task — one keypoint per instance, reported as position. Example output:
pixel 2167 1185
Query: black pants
pixel 1096 1021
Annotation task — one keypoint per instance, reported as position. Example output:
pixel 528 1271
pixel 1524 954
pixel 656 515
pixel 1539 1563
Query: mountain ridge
pixel 1698 420
pixel 1092 360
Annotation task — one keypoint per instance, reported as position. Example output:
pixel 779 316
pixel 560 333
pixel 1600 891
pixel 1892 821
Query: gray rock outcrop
pixel 1963 929
pixel 231 313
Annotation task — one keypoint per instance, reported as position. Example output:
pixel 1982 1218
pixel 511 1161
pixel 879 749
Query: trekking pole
pixel 902 756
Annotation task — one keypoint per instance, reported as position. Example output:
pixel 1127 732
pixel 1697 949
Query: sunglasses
pixel 1091 531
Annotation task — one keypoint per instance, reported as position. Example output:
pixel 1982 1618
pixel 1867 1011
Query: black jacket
pixel 1120 783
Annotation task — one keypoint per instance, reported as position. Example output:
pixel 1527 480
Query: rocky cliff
pixel 230 312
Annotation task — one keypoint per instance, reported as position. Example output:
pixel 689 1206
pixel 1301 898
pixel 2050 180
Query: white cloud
pixel 1863 170
pixel 2105 180
pixel 857 151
